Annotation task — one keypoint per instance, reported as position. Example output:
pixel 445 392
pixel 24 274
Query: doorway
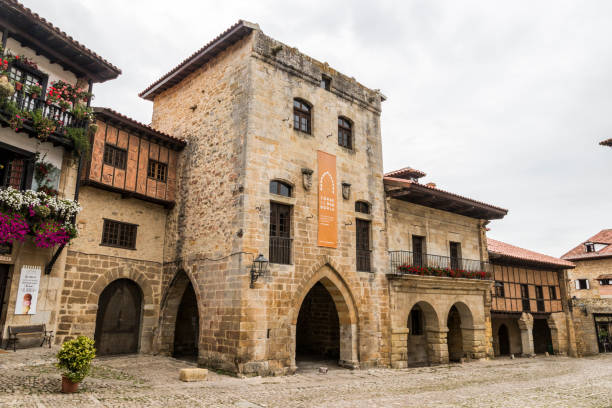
pixel 118 318
pixel 504 340
pixel 186 331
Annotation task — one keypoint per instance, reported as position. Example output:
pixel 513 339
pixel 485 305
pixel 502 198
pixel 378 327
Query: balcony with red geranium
pixel 423 264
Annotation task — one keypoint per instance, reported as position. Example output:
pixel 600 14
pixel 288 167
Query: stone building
pixel 112 282
pixel 530 311
pixel 591 292
pixel 37 157
pixel 439 286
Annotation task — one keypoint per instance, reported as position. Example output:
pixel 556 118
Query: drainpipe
pixel 57 253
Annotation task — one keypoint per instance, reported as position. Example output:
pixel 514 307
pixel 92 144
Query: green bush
pixel 80 138
pixel 74 358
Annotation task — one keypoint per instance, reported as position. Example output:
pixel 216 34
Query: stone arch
pixel 148 302
pixel 424 337
pixel 346 308
pixel 460 337
pixel 171 300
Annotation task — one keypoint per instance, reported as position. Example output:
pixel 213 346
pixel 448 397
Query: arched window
pixel 362 207
pixel 345 133
pixel 302 119
pixel 280 188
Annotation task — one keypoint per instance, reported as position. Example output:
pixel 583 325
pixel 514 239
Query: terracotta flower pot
pixel 69 387
pixel 18 86
pixel 34 96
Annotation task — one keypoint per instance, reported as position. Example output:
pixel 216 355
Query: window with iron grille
pixel 362 207
pixel 552 291
pixel 363 245
pixel 280 188
pixel 280 233
pixel 302 116
pixel 115 156
pixel 157 170
pixel 499 289
pixel 119 234
pixel 345 133
pixel 540 298
pixel 525 298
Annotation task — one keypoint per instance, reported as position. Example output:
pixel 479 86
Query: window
pixel 605 282
pixel 455 255
pixel 582 284
pixel 363 245
pixel 16 168
pixel 115 156
pixel 27 77
pixel 416 321
pixel 157 170
pixel 280 188
pixel 345 133
pixel 280 233
pixel 301 116
pixel 499 289
pixel 362 207
pixel 525 298
pixel 540 298
pixel 418 251
pixel 119 234
pixel 552 293
pixel 590 247
pixel 326 83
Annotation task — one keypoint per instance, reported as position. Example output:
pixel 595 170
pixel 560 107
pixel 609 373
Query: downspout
pixel 57 253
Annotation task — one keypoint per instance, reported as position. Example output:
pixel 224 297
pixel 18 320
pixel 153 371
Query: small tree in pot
pixel 74 359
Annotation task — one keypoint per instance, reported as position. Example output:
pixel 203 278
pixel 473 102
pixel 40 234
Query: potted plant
pixel 18 86
pixel 74 360
pixel 35 90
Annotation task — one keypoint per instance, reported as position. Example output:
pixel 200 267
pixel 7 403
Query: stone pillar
pixel 348 346
pixel 437 347
pixel 399 347
pixel 475 344
pixel 525 323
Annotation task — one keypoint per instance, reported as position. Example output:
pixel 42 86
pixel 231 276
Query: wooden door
pixel 118 318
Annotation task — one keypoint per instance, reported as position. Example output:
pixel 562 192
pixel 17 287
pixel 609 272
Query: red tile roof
pixel 199 58
pixel 501 250
pixel 602 237
pixel 114 116
pixel 19 14
pixel 406 173
pixel 607 142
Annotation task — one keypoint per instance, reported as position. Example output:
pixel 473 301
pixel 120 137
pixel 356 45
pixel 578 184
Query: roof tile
pixel 514 252
pixel 602 237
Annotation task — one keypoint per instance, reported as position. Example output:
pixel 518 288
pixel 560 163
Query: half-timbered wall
pixel 134 177
pixel 513 276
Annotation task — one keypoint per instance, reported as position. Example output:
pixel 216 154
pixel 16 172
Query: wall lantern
pixel 259 268
pixel 346 190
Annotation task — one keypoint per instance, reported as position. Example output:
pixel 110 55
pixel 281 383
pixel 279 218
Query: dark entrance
pixel 118 318
pixel 603 326
pixel 542 339
pixel 504 340
pixel 318 327
pixel 454 336
pixel 187 326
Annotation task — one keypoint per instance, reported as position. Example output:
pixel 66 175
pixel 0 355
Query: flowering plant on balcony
pixel 35 90
pixel 63 91
pixel 47 218
pixel 443 272
pixel 43 125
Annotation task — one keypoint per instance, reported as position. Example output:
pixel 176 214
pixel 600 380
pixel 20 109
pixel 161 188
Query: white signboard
pixel 27 294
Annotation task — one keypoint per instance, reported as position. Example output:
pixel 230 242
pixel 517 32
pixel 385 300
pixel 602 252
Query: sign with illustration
pixel 27 294
pixel 328 201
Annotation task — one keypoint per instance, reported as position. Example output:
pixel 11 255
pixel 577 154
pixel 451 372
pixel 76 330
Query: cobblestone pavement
pixel 28 378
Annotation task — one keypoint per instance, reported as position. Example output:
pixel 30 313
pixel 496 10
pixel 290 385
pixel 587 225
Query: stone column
pixel 525 323
pixel 399 347
pixel 475 344
pixel 348 346
pixel 437 347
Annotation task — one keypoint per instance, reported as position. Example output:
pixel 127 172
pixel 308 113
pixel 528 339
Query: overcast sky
pixel 503 102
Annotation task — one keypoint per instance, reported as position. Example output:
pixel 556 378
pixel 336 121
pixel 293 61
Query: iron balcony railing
pixel 407 262
pixel 63 118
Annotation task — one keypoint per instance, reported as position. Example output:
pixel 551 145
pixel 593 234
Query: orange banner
pixel 328 200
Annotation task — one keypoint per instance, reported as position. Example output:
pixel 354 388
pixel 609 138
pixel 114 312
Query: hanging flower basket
pixel 13 227
pixel 48 234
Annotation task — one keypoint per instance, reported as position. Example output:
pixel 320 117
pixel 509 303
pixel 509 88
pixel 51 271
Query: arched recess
pixel 148 303
pixel 177 293
pixel 460 337
pixel 345 307
pixel 423 332
pixel 118 319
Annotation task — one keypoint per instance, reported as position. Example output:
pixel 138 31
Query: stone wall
pixel 591 269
